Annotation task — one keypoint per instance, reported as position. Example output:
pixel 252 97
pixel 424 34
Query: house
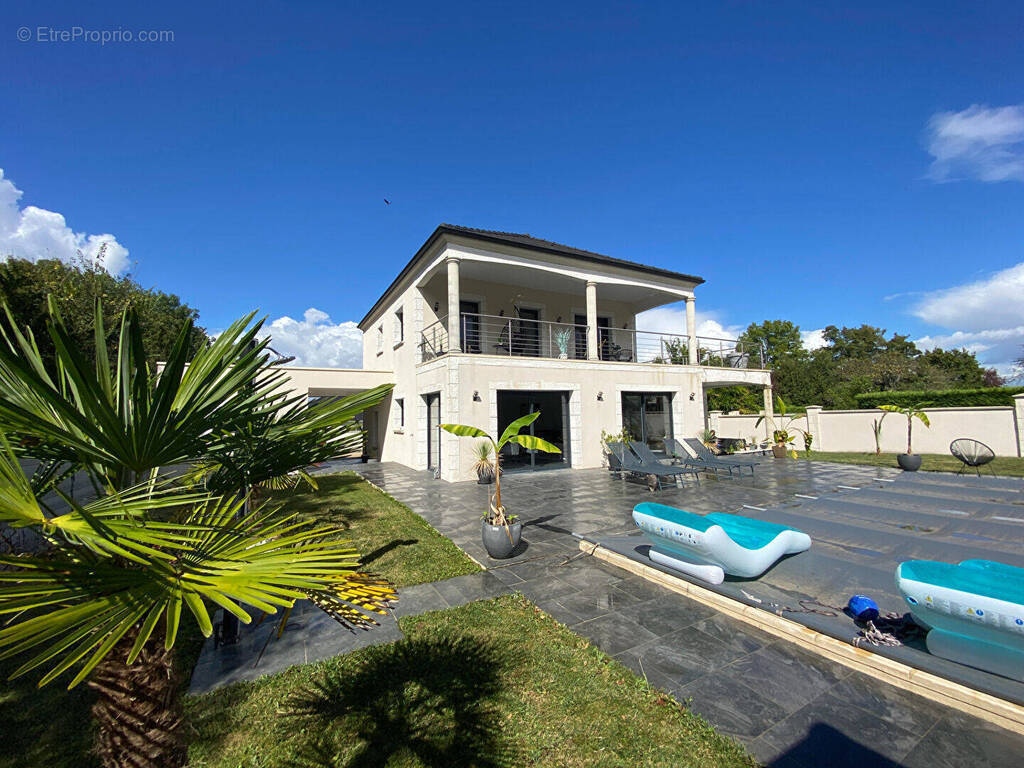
pixel 482 327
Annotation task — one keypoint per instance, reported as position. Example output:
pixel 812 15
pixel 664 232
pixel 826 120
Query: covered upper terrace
pixel 496 293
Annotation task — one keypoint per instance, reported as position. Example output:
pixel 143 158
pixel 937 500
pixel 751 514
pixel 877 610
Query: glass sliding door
pixel 647 416
pixel 552 425
pixel 433 402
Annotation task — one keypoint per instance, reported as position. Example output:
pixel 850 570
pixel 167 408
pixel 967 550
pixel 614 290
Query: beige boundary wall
pixel 1001 428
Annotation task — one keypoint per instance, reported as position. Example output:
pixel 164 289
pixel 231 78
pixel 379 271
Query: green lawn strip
pixel 491 683
pixel 48 727
pixel 393 540
pixel 932 462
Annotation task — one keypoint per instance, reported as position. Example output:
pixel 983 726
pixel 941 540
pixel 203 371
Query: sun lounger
pixel 975 611
pixel 631 464
pixel 711 546
pixel 704 454
pixel 688 461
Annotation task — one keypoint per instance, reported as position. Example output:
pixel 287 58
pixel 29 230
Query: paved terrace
pixel 790 707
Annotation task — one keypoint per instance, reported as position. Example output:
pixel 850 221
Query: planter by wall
pixel 779 451
pixel 909 462
pixel 496 539
pixel 484 478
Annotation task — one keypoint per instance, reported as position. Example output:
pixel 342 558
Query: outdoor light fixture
pixel 476 395
pixel 600 395
pixel 693 395
pixel 437 305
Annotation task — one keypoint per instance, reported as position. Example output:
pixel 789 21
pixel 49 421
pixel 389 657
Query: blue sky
pixel 822 162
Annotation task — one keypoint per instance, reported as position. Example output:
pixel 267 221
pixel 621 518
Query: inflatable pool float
pixel 710 546
pixel 974 611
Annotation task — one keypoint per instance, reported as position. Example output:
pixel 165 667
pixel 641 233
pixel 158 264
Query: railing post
pixel 510 337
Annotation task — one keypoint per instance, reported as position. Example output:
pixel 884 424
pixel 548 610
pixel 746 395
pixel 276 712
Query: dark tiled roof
pixel 527 241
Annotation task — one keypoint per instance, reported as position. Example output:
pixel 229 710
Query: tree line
pixel 853 361
pixel 76 287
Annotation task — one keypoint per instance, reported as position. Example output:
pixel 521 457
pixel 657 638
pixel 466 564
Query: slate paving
pixel 788 706
pixel 311 635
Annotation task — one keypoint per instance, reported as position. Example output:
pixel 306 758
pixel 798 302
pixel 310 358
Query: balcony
pixel 521 337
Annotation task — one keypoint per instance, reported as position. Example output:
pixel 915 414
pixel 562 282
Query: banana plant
pixel 911 412
pixel 496 514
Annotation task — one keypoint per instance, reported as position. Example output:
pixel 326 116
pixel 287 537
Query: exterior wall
pixel 588 416
pixel 998 427
pixel 495 298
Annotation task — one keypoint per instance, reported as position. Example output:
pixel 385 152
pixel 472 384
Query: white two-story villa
pixel 482 327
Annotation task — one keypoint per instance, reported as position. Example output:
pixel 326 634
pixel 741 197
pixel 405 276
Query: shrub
pixel 941 398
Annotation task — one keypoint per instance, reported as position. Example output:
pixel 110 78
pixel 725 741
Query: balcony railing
pixel 523 337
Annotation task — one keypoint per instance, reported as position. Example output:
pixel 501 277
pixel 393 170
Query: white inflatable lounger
pixel 710 546
pixel 974 611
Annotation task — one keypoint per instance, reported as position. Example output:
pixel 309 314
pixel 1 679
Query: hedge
pixel 941 398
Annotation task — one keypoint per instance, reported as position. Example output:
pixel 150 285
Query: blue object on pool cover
pixel 739 546
pixel 975 611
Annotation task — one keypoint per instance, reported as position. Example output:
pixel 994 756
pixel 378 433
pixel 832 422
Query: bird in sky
pixel 386 201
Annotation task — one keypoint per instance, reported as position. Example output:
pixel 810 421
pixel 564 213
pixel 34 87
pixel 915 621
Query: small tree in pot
pixel 909 461
pixel 501 531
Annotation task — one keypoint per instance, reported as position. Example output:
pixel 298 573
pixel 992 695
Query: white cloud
pixel 34 233
pixel 813 340
pixel 672 319
pixel 985 317
pixel 317 342
pixel 993 302
pixel 984 143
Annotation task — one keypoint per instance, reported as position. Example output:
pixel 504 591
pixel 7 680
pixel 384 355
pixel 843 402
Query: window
pixel 647 416
pixel 380 339
pixel 400 413
pixel 399 328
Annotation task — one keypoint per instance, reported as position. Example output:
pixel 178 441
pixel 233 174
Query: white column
pixel 769 412
pixel 1018 420
pixel 691 330
pixel 454 340
pixel 592 320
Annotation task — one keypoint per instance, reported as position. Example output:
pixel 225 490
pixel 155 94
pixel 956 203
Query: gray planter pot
pixel 484 478
pixel 496 539
pixel 909 462
pixel 780 451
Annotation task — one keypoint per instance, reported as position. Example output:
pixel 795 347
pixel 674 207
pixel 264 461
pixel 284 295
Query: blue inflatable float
pixel 710 546
pixel 974 611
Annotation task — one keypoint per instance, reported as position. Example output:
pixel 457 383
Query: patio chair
pixel 631 464
pixel 647 456
pixel 704 454
pixel 706 458
pixel 737 359
pixel 972 453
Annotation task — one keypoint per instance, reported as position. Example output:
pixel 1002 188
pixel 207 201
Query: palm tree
pixel 103 600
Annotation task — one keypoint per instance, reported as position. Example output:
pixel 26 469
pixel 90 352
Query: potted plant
pixel 500 530
pixel 562 338
pixel 484 464
pixel 909 461
pixel 708 437
pixel 781 439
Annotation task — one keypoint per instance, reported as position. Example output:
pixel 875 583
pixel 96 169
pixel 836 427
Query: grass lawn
pixel 932 462
pixel 53 728
pixel 393 540
pixel 491 683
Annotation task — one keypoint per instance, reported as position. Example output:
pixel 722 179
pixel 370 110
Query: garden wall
pixel 999 427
